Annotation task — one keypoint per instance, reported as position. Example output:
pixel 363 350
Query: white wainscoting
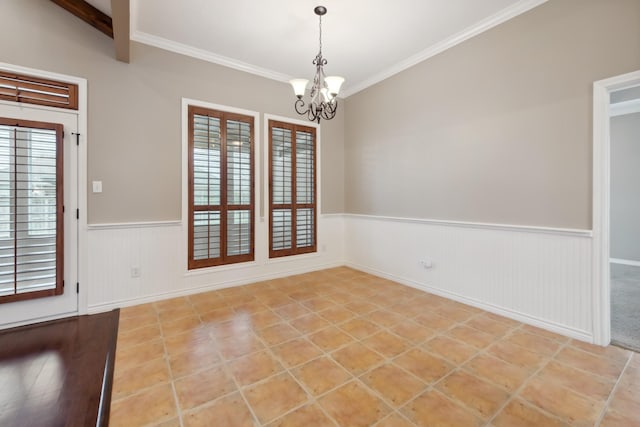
pixel 536 275
pixel 157 250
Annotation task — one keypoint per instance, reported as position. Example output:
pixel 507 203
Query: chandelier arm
pixel 300 106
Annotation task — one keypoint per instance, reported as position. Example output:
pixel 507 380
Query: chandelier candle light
pixel 324 92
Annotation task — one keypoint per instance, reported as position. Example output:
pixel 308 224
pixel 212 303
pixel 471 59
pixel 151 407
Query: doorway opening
pixel 604 92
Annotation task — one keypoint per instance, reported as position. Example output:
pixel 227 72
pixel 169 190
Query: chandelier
pixel 323 103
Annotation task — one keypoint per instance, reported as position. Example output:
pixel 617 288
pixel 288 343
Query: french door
pixel 38 235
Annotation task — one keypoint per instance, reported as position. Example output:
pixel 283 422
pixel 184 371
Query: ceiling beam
pixel 88 14
pixel 121 24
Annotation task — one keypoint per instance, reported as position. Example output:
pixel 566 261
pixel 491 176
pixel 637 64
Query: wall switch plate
pixel 135 271
pixel 97 186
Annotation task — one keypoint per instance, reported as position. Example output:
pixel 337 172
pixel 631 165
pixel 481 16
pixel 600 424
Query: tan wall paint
pixel 135 109
pixel 496 129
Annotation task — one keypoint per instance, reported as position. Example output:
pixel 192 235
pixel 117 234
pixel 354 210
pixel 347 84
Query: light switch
pixel 97 186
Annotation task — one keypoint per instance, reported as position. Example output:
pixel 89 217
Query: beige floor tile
pixel 591 386
pixel 423 365
pixel 330 338
pixel 519 414
pixel 190 362
pixel 453 350
pixel 489 326
pixel 295 352
pixel 616 419
pixel 309 323
pixel 604 367
pixel 412 331
pixel 306 416
pixel 517 355
pixel 481 397
pixel 239 345
pixel 434 409
pixel 180 326
pixel 395 385
pixel 383 318
pixel 532 342
pixel 254 367
pixel 387 344
pixel 132 380
pixel 395 420
pixel 508 376
pixel 359 328
pixel 327 327
pixel 202 387
pixel 292 311
pixel 275 397
pixel 158 403
pixel 137 355
pixel 321 375
pixel 278 333
pixel 139 335
pixel 229 411
pixel 562 402
pixel 354 406
pixel 471 336
pixel 357 358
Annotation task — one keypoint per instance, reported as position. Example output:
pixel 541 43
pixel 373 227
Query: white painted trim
pixel 600 274
pixel 624 262
pixel 480 225
pixel 521 317
pixel 625 107
pixel 82 261
pixel 205 55
pixel 144 224
pixel 99 308
pixel 257 178
pixel 486 24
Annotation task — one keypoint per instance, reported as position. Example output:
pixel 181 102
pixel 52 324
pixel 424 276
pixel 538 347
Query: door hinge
pixel 62 209
pixel 77 213
pixel 63 284
pixel 77 287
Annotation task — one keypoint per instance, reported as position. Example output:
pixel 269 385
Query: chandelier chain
pixel 320 26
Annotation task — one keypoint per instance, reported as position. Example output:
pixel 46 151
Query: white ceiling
pixel 364 41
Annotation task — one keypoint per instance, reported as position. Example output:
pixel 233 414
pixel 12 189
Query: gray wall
pixel 497 129
pixel 625 187
pixel 134 109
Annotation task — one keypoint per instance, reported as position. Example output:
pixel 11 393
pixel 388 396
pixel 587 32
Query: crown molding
pixel 486 24
pixel 205 55
pixel 472 31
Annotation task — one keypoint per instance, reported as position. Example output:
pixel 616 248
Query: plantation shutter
pixel 292 184
pixel 221 207
pixel 33 90
pixel 31 211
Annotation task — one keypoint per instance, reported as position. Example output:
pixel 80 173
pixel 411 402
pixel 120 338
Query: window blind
pixel 31 218
pixel 32 90
pixel 292 186
pixel 221 193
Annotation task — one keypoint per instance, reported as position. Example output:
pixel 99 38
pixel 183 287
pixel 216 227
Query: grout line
pixel 603 413
pixel 516 393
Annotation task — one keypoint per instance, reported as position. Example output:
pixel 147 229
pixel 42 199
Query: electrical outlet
pixel 135 271
pixel 426 263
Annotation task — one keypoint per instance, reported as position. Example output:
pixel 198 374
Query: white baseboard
pixel 624 262
pixel 100 308
pixel 520 317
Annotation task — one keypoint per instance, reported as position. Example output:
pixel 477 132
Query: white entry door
pixel 28 219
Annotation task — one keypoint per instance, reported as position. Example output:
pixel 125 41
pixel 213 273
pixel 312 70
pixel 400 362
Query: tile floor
pixel 343 348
